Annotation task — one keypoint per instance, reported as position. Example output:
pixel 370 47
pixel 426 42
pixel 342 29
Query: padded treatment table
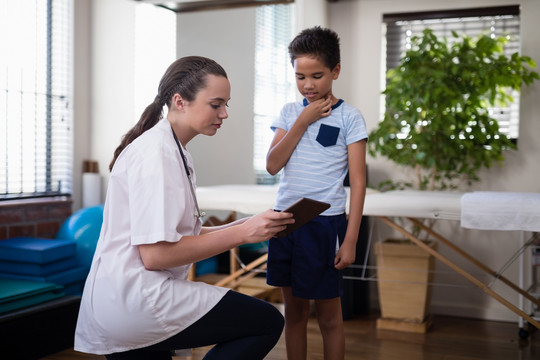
pixel 472 209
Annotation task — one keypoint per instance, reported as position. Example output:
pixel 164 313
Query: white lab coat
pixel 124 306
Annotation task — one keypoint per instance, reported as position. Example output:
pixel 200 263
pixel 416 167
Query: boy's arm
pixel 284 142
pixel 357 178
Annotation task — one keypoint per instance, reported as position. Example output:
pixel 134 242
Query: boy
pixel 316 141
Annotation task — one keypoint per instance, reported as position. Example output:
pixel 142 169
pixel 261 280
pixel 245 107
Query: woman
pixel 137 302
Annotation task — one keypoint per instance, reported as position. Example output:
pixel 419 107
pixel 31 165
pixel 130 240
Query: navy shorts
pixel 304 260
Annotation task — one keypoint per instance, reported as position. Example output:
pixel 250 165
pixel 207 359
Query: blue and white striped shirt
pixel 319 163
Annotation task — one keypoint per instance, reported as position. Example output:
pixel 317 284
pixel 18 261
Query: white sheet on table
pixel 253 199
pixel 414 203
pixel 245 199
pixel 496 210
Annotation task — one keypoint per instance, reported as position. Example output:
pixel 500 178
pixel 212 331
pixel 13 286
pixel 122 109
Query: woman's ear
pixel 178 102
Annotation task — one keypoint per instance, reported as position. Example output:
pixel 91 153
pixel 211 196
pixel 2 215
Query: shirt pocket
pixel 327 135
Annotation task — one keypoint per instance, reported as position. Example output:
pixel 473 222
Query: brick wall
pixel 33 217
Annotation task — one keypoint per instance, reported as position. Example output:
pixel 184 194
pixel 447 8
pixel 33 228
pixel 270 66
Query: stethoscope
pixel 198 214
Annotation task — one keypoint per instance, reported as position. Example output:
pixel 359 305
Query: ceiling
pixel 179 6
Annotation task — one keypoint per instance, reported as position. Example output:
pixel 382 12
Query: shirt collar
pixel 335 106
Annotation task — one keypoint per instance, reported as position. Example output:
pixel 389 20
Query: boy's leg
pixel 296 318
pixel 330 321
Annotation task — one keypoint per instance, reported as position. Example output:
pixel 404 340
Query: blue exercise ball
pixel 83 227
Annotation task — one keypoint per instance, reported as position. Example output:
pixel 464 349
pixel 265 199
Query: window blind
pixel 495 21
pixel 36 98
pixel 274 78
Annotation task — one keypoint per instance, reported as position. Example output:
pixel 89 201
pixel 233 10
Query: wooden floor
pixel 449 338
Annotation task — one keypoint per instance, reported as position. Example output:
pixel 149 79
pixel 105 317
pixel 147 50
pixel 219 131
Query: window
pixel 36 98
pixel 496 21
pixel 274 78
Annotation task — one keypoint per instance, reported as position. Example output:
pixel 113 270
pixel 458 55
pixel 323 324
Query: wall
pixel 226 156
pixel 103 84
pixel 82 109
pixel 112 69
pixel 34 218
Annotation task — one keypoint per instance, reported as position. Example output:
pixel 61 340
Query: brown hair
pixel 186 76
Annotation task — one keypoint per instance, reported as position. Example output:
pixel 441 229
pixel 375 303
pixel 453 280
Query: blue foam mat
pixel 26 268
pixel 16 294
pixel 36 250
pixel 64 277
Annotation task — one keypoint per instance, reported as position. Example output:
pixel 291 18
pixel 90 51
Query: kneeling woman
pixel 137 302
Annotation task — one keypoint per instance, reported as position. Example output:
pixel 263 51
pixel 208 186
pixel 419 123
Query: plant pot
pixel 404 273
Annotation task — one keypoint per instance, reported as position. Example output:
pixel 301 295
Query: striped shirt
pixel 319 163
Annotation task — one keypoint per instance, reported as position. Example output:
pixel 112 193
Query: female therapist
pixel 137 302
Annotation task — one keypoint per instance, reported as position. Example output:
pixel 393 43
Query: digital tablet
pixel 303 210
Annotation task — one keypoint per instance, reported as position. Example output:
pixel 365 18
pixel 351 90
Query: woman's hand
pixel 265 225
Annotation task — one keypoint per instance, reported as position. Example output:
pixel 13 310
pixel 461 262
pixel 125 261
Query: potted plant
pixel 437 125
pixel 437 119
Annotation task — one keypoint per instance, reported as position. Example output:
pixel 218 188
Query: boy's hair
pixel 318 42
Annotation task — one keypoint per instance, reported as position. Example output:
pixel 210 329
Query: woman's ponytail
pixel 150 117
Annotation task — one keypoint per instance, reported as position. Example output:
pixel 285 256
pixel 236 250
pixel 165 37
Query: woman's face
pixel 206 113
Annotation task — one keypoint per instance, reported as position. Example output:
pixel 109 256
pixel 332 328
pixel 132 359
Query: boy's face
pixel 314 78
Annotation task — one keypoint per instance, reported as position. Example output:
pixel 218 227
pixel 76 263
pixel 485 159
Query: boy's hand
pixel 345 256
pixel 316 110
